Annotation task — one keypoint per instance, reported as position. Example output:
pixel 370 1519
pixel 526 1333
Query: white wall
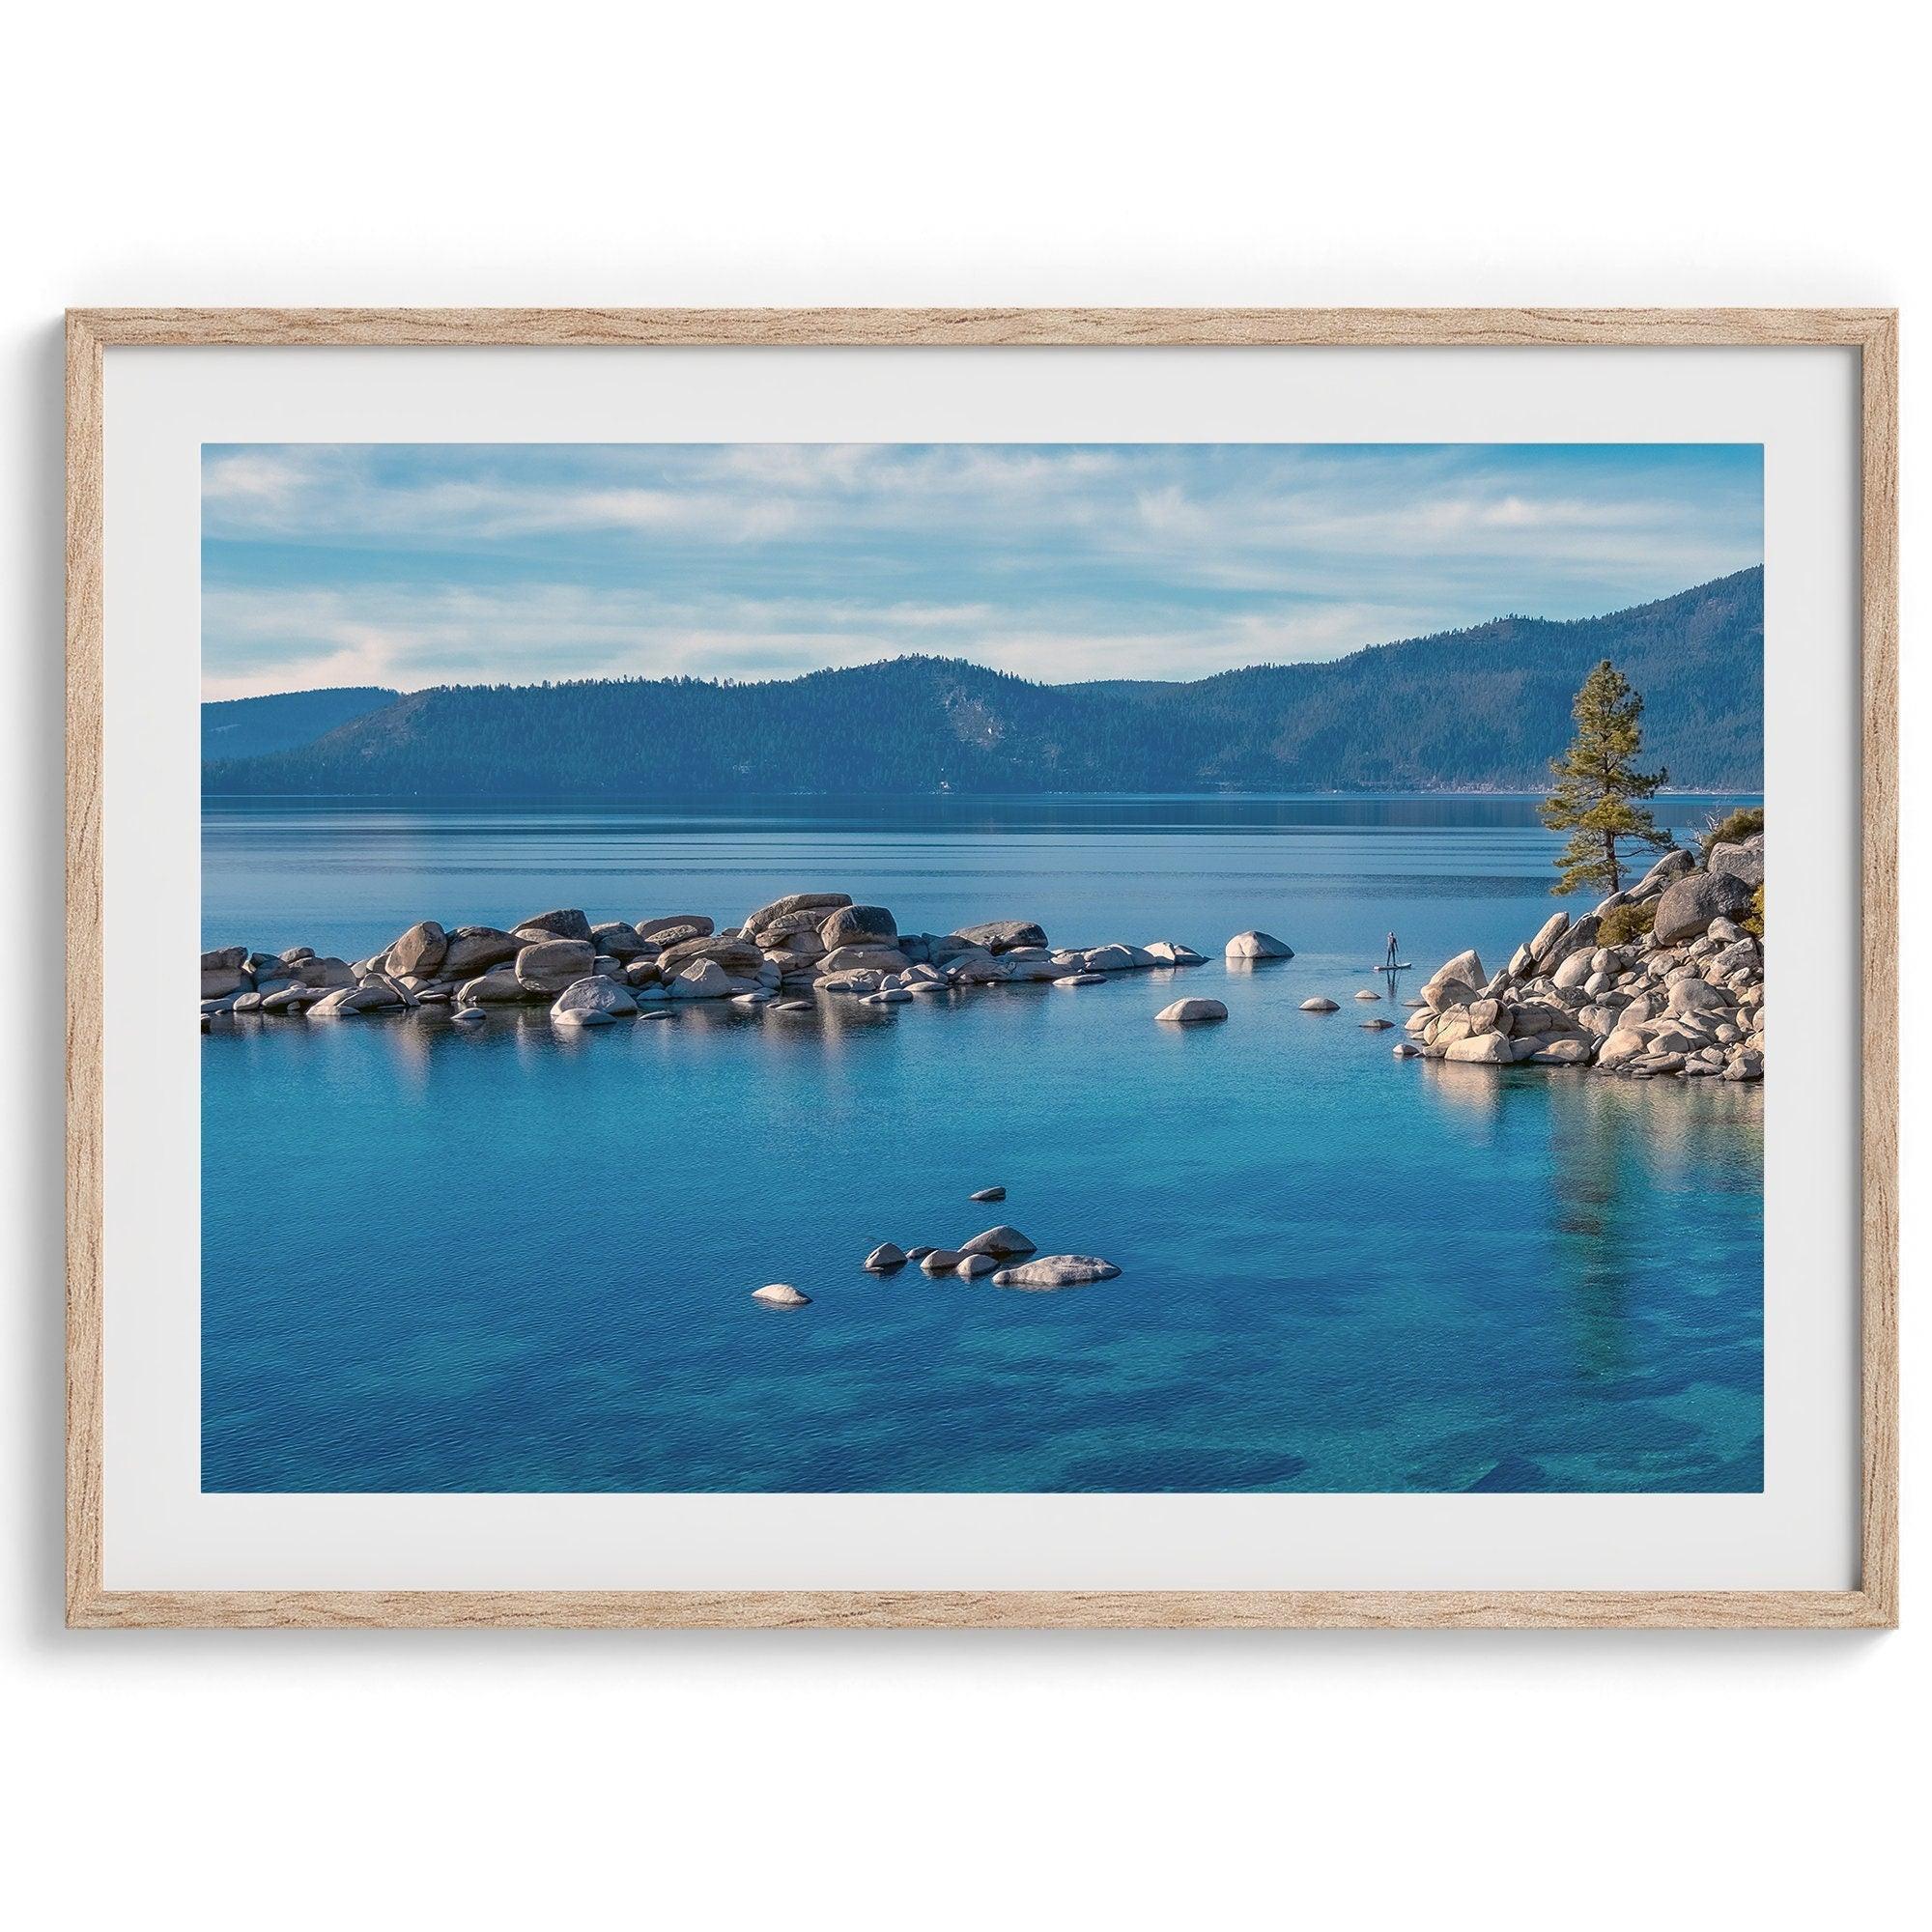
pixel 992 154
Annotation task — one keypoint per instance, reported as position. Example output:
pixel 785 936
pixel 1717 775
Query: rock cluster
pixel 1687 998
pixel 997 1254
pixel 590 975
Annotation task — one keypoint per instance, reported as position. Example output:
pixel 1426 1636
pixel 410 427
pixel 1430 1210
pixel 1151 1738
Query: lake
pixel 519 1259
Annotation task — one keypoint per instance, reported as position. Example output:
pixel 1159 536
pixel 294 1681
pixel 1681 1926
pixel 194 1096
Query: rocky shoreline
pixel 1678 991
pixel 1659 980
pixel 804 944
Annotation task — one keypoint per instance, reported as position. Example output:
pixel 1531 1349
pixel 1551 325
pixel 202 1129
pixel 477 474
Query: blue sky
pixel 419 564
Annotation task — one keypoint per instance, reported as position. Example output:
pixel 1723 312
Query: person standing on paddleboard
pixel 1391 949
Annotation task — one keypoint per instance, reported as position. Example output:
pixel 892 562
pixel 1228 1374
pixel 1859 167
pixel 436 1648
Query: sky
pixel 419 564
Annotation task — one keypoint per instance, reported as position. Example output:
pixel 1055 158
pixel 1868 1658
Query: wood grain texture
pixel 85 1168
pixel 1873 333
pixel 927 328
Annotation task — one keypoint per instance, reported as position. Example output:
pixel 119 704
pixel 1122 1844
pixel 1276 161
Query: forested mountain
pixel 247 727
pixel 1481 708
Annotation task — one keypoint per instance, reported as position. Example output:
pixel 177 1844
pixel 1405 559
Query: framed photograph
pixel 1011 967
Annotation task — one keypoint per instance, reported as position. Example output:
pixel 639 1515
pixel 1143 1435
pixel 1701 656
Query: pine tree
pixel 1597 785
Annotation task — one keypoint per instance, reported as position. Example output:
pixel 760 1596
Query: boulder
pixel 863 984
pixel 1002 935
pixel 885 1258
pixel 1106 959
pixel 1081 979
pixel 1689 905
pixel 735 955
pixel 880 959
pixel 471 950
pixel 1376 1025
pixel 591 1001
pixel 1548 935
pixel 643 973
pixel 566 922
pixel 420 950
pixel 941 1261
pixel 702 980
pixel 794 929
pixel 857 925
pixel 549 965
pixel 988 1194
pixel 1575 971
pixel 1486 1049
pixel 498 988
pixel 1192 1012
pixel 219 982
pixel 1563 1053
pixel 1744 863
pixel 467 1017
pixel 781 1295
pixel 1320 1005
pixel 1363 993
pixel 1465 970
pixel 347 1001
pixel 677 925
pixel 1694 996
pixel 977 1265
pixel 1252 945
pixel 813 905
pixel 1056 1271
pixel 1405 1050
pixel 1001 1241
pixel 326 973
pixel 618 938
pixel 1171 952
pixel 1672 866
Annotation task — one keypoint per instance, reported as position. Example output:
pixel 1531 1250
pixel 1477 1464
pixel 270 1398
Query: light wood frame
pixel 1872 333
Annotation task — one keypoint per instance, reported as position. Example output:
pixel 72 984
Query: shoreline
pixel 1662 979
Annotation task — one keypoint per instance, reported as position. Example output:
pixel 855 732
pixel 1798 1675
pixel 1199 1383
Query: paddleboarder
pixel 1392 956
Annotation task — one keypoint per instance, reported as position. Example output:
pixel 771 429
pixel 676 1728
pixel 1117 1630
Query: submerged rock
pixel 885 1258
pixel 988 1194
pixel 1056 1271
pixel 781 1295
pixel 1318 1005
pixel 1192 1012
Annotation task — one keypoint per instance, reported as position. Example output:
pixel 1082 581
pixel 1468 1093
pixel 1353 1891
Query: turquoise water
pixel 519 1261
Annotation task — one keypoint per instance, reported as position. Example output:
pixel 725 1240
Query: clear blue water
pixel 516 1261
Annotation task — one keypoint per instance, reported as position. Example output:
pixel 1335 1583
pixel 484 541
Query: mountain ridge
pixel 1480 708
